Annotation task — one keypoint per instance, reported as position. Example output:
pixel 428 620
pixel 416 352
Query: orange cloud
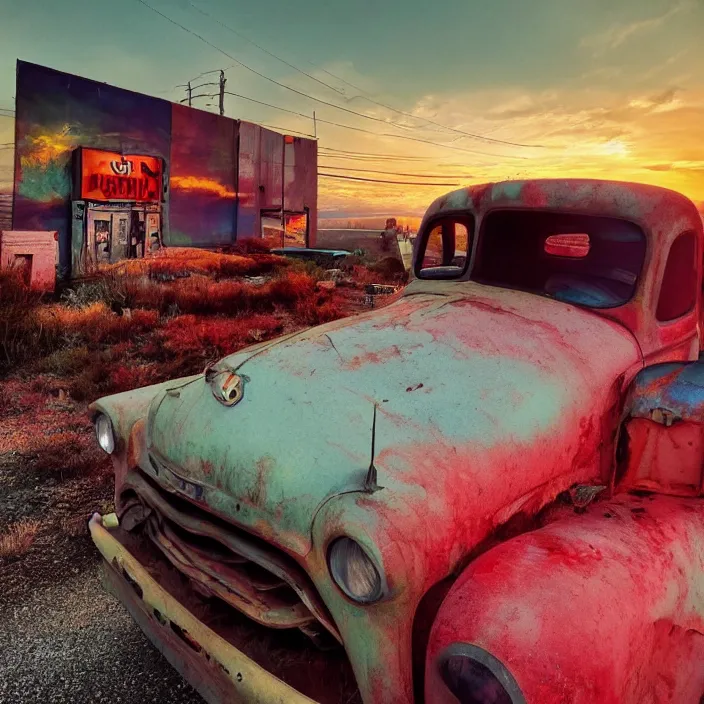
pixel 645 136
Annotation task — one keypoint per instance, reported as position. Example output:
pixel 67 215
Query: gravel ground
pixel 73 643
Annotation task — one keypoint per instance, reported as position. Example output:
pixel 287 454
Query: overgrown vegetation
pixel 133 324
pixel 18 538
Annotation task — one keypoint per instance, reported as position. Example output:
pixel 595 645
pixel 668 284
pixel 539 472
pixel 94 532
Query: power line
pixel 423 141
pixel 261 48
pixel 364 95
pixel 377 160
pixel 200 75
pixel 347 151
pixel 261 75
pixel 483 138
pixel 269 105
pixel 377 134
pixel 305 95
pixel 369 156
pixel 285 130
pixel 376 180
pixel 394 173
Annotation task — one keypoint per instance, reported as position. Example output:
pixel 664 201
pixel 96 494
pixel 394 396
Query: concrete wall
pixel 35 253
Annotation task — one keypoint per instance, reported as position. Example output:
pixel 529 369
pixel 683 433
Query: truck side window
pixel 445 248
pixel 677 291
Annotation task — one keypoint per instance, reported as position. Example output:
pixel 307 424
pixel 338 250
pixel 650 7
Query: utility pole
pixel 190 94
pixel 315 126
pixel 223 80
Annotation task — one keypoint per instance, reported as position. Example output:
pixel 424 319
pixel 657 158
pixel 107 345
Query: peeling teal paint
pixel 458 199
pixel 508 190
pixel 302 432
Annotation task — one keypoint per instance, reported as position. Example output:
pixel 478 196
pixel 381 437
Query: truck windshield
pixel 587 260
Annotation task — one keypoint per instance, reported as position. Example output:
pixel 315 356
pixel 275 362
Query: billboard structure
pixel 118 174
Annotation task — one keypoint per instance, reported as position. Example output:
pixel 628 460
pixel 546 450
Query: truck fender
pixel 604 606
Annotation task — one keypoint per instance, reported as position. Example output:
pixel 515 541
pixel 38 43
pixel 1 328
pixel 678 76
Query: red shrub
pixel 202 295
pixel 95 323
pixel 126 377
pixel 182 262
pixel 317 311
pixel 19 338
pixel 69 454
pixel 289 288
pixel 208 337
pixel 251 245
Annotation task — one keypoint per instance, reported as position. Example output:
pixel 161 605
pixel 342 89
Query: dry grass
pixel 216 336
pixel 177 263
pixel 18 538
pixel 17 336
pixel 68 454
pixel 74 526
pixel 95 324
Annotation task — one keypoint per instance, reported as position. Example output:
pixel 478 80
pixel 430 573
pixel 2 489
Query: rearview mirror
pixel 575 246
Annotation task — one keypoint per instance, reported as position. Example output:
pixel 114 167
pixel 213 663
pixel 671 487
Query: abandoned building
pixel 117 174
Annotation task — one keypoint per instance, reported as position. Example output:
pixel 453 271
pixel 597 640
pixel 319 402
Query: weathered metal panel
pixel 202 178
pixel 271 177
pixel 301 181
pixel 664 434
pixel 78 237
pixel 248 194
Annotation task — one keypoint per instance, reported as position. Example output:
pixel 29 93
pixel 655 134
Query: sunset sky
pixel 550 88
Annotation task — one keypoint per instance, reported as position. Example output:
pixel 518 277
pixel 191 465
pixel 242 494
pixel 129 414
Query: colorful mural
pixel 56 113
pixel 209 178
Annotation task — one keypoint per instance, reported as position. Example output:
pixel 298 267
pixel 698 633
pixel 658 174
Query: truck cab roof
pixel 631 252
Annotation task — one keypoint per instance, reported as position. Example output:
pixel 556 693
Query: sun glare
pixel 615 147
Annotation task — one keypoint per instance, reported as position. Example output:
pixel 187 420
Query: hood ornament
pixel 227 387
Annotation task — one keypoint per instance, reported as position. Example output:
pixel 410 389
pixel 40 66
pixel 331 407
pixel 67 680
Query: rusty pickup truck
pixel 489 491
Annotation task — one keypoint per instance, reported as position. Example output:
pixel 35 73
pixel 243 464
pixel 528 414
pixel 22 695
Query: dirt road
pixel 63 639
pixel 71 642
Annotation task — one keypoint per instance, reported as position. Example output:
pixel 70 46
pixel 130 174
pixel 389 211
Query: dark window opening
pixel 23 263
pixel 596 263
pixel 445 248
pixel 677 290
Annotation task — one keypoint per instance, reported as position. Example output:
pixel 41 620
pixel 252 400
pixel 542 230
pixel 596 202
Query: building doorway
pixel 118 232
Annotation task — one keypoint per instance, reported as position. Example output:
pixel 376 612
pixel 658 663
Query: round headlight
pixel 353 571
pixel 103 431
pixel 475 676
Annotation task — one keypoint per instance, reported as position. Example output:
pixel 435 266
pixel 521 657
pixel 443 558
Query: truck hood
pixel 462 369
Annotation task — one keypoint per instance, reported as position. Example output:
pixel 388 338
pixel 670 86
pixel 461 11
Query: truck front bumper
pixel 217 670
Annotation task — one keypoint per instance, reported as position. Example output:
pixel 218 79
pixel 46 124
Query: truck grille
pixel 222 561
